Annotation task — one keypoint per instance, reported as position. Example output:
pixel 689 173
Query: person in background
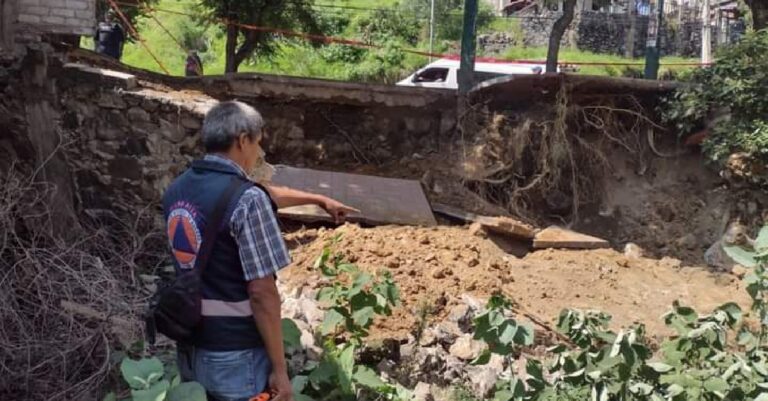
pixel 194 65
pixel 110 37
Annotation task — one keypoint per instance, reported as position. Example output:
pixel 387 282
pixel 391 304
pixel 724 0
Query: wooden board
pixel 558 237
pixel 380 200
pixel 498 224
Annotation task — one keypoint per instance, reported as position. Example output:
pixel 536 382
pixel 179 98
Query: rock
pixel 466 348
pixel 472 262
pixel 688 241
pixel 633 251
pixel 439 273
pixel 173 132
pixel 190 122
pixel 671 263
pixel 477 230
pixel 422 392
pixel 462 315
pixel 558 237
pixel 752 207
pixel 137 114
pixel 111 100
pixel 507 226
pixel 482 380
pixel 739 271
pixel 446 333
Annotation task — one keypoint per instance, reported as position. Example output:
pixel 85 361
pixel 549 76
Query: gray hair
pixel 226 121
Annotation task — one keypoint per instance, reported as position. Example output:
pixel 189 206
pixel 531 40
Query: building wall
pixel 69 17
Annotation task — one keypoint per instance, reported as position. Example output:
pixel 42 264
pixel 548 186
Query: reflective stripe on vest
pixel 213 308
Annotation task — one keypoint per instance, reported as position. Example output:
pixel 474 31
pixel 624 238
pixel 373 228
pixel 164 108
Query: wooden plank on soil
pixel 558 237
pixel 380 200
pixel 497 224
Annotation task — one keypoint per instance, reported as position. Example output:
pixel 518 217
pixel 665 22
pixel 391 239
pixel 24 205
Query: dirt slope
pixel 438 265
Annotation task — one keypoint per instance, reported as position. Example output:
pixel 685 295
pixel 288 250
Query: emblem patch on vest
pixel 184 235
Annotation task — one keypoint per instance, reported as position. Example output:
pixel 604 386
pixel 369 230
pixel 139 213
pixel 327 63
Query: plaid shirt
pixel 254 227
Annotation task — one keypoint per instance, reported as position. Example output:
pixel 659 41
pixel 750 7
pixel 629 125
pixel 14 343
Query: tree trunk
pixel 231 49
pixel 759 13
pixel 558 30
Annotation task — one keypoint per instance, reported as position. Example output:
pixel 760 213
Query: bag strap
pixel 212 228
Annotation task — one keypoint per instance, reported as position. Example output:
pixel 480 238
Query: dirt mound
pixel 436 266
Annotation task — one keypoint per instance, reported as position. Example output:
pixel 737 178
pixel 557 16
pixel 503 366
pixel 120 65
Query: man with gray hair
pixel 237 349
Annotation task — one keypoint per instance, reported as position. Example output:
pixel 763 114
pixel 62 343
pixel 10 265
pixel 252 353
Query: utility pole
pixel 431 30
pixel 706 34
pixel 653 46
pixel 629 46
pixel 468 41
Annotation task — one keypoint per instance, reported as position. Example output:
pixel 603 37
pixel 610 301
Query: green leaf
pixel 156 392
pixel 761 242
pixel 326 295
pixel 641 389
pixel 138 373
pixel 660 367
pixel 189 391
pixel 324 373
pixel 762 397
pixel 366 377
pixel 110 397
pixel 348 268
pixel 298 383
pixel 716 384
pixel 361 280
pixel 675 389
pixel 363 317
pixel 741 256
pixel 524 335
pixel 733 310
pixel 346 362
pixel 483 358
pixel 331 321
pixel 291 334
pixel 508 331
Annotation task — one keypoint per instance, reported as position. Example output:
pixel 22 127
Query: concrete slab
pixel 558 237
pixel 380 200
pixel 110 77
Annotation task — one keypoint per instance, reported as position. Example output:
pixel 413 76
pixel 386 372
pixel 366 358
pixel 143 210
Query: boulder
pixel 466 348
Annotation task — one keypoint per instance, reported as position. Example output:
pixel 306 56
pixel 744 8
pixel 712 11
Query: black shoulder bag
pixel 175 310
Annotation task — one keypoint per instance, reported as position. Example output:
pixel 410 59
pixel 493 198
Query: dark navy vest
pixel 227 322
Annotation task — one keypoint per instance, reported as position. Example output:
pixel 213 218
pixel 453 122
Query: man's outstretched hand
pixel 337 210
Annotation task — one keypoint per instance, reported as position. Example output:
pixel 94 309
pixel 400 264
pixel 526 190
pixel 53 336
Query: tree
pixel 759 10
pixel 273 14
pixel 558 30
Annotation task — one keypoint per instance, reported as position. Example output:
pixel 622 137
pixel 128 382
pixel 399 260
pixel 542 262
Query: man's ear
pixel 242 141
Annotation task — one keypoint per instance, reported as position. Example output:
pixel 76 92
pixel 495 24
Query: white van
pixel 444 73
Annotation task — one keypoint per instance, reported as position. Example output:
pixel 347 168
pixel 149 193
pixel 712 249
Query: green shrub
pixel 737 84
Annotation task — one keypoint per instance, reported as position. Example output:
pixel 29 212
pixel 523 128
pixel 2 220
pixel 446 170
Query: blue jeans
pixel 226 375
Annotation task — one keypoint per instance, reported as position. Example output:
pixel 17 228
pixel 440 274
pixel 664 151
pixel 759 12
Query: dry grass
pixel 49 352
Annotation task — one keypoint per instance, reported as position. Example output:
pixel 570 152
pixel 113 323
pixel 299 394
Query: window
pixel 431 75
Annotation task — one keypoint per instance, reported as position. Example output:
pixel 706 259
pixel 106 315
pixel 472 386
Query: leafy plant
pixel 353 299
pixel 150 380
pixel 700 362
pixel 736 84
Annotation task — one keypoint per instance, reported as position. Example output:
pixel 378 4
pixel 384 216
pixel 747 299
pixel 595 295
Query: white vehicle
pixel 444 73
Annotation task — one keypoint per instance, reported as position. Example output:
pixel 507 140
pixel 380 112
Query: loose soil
pixel 436 266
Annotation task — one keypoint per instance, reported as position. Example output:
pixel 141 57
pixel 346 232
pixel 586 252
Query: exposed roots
pixel 553 161
pixel 46 351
